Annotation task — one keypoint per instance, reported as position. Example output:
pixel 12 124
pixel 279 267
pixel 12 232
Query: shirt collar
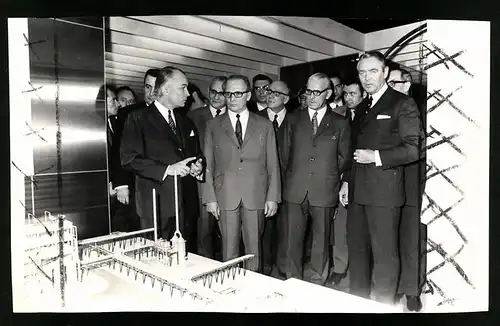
pixel 320 111
pixel 243 115
pixel 214 111
pixel 376 96
pixel 280 114
pixel 261 107
pixel 161 107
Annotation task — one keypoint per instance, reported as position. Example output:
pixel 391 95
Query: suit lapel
pixel 380 105
pixel 157 120
pixel 228 128
pixel 181 131
pixel 251 127
pixel 324 124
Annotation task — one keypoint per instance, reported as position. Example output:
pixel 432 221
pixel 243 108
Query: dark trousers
pixel 372 236
pixel 410 248
pixel 208 231
pixel 296 231
pixel 123 217
pixel 242 223
pixel 340 251
pixel 166 227
pixel 270 240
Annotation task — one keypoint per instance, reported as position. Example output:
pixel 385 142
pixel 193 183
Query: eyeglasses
pixel 261 88
pixel 214 93
pixel 275 93
pixel 393 83
pixel 236 94
pixel 308 92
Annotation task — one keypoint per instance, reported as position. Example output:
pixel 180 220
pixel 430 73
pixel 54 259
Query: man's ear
pixel 287 98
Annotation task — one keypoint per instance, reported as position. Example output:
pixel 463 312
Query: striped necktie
pixel 171 122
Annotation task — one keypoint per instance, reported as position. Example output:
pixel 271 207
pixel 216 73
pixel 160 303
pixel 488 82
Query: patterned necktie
pixel 238 130
pixel 275 122
pixel 171 122
pixel 217 112
pixel 315 122
pixel 369 103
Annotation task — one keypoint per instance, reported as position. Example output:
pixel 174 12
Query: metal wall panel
pixel 67 70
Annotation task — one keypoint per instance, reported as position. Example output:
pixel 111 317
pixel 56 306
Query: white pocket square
pixel 192 133
pixel 383 116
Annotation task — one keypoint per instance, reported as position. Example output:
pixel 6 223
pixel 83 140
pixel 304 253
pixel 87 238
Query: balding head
pixel 278 95
pixel 318 91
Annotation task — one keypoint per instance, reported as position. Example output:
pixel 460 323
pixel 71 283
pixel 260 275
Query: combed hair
pixel 125 88
pixel 218 79
pixel 237 77
pixel 151 72
pixel 164 75
pixel 322 76
pixel 374 54
pixel 261 77
pixel 353 81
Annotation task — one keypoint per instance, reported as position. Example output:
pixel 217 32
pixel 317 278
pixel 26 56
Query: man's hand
pixel 196 168
pixel 180 168
pixel 364 156
pixel 270 208
pixel 343 194
pixel 213 208
pixel 122 195
pixel 112 192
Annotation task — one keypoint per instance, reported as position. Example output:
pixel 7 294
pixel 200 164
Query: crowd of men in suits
pixel 256 175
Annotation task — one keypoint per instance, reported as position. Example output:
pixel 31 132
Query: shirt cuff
pixel 119 187
pixel 378 161
pixel 166 173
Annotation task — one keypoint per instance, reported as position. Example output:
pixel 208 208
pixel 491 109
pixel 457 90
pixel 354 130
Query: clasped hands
pixel 364 156
pixel 182 169
pixel 270 208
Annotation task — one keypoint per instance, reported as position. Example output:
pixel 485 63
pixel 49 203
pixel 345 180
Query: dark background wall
pixel 72 179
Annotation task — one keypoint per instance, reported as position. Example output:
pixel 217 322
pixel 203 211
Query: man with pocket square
pixel 387 135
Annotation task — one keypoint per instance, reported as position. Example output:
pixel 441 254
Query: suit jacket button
pixel 179 149
pixel 241 160
pixel 311 159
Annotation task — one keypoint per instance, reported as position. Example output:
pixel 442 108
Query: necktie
pixel 238 130
pixel 275 122
pixel 171 122
pixel 315 122
pixel 217 112
pixel 368 104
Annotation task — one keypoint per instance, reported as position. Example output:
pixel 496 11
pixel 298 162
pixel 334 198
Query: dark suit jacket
pixel 397 139
pixel 148 146
pixel 249 174
pixel 316 161
pixel 281 139
pixel 200 117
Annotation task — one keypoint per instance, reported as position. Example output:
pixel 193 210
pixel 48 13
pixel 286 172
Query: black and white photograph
pixel 249 164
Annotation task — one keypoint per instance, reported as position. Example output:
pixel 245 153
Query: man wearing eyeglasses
pixel 243 185
pixel 387 136
pixel 411 230
pixel 277 97
pixel 260 84
pixel 318 143
pixel 216 107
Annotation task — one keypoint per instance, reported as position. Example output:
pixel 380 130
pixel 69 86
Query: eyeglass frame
pixel 315 92
pixel 269 91
pixel 393 83
pixel 229 94
pixel 217 93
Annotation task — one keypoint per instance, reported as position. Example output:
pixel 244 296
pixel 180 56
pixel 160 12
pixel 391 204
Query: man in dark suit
pixel 243 183
pixel 386 138
pixel 277 98
pixel 149 85
pixel 217 106
pixel 260 83
pixel 336 98
pixel 410 229
pixel 318 143
pixel 158 143
pixel 353 96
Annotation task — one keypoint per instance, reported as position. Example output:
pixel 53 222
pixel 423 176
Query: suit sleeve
pixel 208 191
pixel 273 168
pixel 199 152
pixel 410 131
pixel 132 152
pixel 344 147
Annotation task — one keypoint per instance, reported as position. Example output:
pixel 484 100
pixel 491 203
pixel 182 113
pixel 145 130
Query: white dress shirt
pixel 214 111
pixel 260 107
pixel 375 97
pixel 164 112
pixel 281 115
pixel 321 114
pixel 243 120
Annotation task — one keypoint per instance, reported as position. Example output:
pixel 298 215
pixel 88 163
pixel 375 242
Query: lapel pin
pixel 334 137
